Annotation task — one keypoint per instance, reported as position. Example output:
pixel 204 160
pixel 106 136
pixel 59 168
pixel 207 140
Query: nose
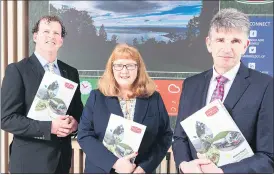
pixel 124 69
pixel 227 47
pixel 51 35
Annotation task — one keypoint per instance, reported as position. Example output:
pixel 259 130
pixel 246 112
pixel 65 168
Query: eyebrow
pixel 238 39
pixel 124 63
pixel 223 38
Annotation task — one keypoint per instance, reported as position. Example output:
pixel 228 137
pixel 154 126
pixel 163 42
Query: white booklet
pixel 53 97
pixel 214 133
pixel 123 136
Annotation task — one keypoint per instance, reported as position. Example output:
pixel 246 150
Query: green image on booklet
pixel 53 97
pixel 123 137
pixel 222 144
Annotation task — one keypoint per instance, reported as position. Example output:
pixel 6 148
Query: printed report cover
pixel 53 97
pixel 123 136
pixel 214 133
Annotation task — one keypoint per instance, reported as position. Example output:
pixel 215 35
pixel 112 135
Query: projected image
pixel 137 22
pixel 167 33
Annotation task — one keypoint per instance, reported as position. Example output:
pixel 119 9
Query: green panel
pixel 249 7
pixel 87 87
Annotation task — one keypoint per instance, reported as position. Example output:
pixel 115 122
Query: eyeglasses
pixel 120 67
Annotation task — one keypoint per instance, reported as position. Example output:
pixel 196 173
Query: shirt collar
pixel 43 61
pixel 230 75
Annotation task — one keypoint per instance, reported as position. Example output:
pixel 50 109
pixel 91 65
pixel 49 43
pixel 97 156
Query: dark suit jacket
pixel 148 111
pixel 28 154
pixel 249 102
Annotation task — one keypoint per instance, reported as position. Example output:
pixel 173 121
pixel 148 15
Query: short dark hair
pixel 49 19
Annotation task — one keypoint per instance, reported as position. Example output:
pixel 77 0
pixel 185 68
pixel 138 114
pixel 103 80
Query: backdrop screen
pixel 170 36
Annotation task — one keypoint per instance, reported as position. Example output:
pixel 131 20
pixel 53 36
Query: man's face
pixel 49 36
pixel 226 48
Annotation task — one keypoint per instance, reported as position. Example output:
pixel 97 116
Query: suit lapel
pixel 39 70
pixel 238 88
pixel 62 69
pixel 113 106
pixel 205 85
pixel 140 109
pixel 36 67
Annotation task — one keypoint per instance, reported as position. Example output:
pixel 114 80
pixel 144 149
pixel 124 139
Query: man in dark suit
pixel 39 146
pixel 247 95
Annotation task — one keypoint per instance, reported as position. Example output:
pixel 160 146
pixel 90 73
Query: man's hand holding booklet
pixel 214 134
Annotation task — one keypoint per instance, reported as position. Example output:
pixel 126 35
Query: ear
pixel 208 44
pixel 61 41
pixel 34 37
pixel 246 46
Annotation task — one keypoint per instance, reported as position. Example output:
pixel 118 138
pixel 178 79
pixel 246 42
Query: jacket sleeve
pixel 13 109
pixel 162 142
pixel 263 159
pixel 180 145
pixel 95 151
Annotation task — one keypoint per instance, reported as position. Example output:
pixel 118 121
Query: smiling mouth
pixel 124 77
pixel 50 42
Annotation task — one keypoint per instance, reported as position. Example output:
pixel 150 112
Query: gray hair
pixel 228 19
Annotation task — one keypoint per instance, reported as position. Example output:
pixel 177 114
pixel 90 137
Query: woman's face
pixel 125 72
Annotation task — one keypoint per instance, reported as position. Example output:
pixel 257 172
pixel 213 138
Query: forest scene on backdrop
pixel 167 33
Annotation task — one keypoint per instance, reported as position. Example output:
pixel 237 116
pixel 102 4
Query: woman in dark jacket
pixel 125 89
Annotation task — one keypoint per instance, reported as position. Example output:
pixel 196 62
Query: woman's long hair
pixel 143 86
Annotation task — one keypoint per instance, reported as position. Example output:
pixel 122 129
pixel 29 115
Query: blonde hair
pixel 143 86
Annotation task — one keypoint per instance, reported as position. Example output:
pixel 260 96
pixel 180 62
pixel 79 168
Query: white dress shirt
pixel 45 62
pixel 230 75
